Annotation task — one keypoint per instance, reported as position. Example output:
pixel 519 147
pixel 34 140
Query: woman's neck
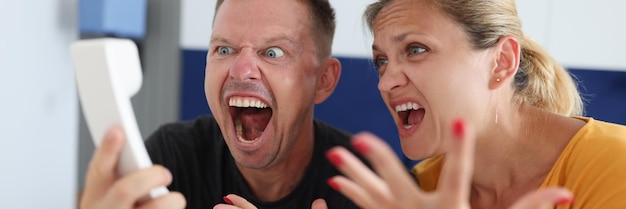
pixel 515 156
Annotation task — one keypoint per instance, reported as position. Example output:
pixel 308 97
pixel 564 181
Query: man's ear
pixel 331 71
pixel 507 61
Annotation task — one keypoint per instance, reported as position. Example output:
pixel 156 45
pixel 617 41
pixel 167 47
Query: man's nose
pixel 245 66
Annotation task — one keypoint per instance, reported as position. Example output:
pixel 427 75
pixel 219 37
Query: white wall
pixel 38 108
pixel 195 23
pixel 588 34
pixel 578 33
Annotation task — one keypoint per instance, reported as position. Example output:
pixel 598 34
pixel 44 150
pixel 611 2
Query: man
pixel 268 64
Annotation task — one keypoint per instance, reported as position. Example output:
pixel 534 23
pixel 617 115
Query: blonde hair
pixel 540 80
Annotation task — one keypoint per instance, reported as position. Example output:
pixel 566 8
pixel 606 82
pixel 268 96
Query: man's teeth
pixel 246 102
pixel 407 106
pixel 239 132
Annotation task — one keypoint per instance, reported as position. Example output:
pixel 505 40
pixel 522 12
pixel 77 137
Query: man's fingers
pixel 388 166
pixel 319 204
pixel 101 171
pixel 458 167
pixel 238 201
pixel 128 190
pixel 544 199
pixel 173 200
pixel 106 155
pixel 354 192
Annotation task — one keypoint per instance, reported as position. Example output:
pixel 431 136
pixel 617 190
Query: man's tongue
pixel 253 122
pixel 415 116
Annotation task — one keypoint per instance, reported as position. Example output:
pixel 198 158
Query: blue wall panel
pixel 604 93
pixel 119 18
pixel 356 104
pixel 193 102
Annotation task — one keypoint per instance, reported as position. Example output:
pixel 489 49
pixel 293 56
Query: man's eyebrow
pixel 219 40
pixel 283 38
pixel 374 47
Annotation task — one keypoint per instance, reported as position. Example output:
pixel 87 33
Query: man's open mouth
pixel 410 114
pixel 250 115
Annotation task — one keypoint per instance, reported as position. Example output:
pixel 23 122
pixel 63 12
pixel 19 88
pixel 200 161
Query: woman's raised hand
pixel 392 187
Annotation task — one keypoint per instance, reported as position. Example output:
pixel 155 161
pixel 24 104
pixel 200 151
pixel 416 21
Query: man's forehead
pixel 280 22
pixel 293 9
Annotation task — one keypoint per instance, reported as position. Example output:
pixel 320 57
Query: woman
pixel 440 60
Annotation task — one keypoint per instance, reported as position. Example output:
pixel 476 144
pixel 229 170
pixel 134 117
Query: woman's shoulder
pixel 592 164
pixel 596 147
pixel 600 134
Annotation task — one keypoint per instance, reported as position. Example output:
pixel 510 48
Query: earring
pixel 497 79
pixel 497 98
pixel 496 116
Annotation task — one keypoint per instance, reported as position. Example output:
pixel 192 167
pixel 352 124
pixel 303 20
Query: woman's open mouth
pixel 410 114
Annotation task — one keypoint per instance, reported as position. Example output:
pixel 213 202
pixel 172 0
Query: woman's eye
pixel 413 50
pixel 224 50
pixel 274 52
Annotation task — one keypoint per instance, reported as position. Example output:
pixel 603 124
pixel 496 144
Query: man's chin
pixel 252 161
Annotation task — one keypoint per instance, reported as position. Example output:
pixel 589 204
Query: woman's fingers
pixel 395 188
pixel 360 174
pixel 388 166
pixel 238 201
pixel 458 167
pixel 319 204
pixel 544 199
pixel 225 206
pixel 354 192
pixel 366 188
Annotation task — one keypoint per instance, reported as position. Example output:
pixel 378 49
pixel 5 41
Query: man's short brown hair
pixel 322 15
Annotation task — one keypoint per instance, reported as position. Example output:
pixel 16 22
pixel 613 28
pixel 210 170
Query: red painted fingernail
pixel 361 147
pixel 228 200
pixel 565 201
pixel 459 128
pixel 333 184
pixel 334 158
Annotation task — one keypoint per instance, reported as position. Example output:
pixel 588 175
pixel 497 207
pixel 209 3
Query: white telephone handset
pixel 108 73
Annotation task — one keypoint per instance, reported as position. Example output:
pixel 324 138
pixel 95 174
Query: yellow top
pixel 592 166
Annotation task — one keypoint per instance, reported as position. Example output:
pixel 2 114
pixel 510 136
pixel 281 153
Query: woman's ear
pixel 331 71
pixel 508 51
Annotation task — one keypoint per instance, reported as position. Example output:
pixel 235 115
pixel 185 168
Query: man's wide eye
pixel 274 52
pixel 224 50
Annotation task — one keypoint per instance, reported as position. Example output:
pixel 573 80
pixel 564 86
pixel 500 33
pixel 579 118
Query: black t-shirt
pixel 204 171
